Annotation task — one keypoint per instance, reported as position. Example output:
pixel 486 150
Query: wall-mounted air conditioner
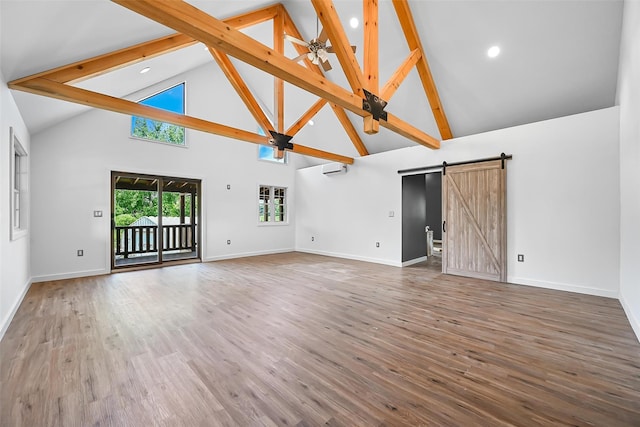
pixel 334 168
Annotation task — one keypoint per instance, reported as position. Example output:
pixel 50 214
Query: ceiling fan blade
pixel 330 49
pixel 299 58
pixel 323 37
pixel 296 41
pixel 325 65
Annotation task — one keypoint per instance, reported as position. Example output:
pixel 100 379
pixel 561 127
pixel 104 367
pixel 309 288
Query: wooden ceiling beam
pixel 413 40
pixel 370 14
pixel 278 84
pixel 52 89
pixel 342 47
pixel 242 90
pixel 341 115
pixel 187 19
pixel 399 75
pixel 304 119
pixel 101 64
pixel 371 51
pixel 350 129
pixel 92 67
pixel 254 17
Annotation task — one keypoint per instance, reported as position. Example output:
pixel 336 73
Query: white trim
pixel 563 287
pixel 633 320
pixel 9 317
pixel 414 261
pixel 248 254
pixel 71 275
pixel 353 257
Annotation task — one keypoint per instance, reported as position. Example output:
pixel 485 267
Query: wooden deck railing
pixel 142 239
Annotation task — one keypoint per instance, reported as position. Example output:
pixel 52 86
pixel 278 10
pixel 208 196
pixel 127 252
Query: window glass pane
pixel 172 100
pixel 265 152
pixel 263 204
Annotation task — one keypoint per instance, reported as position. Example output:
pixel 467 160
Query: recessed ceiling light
pixel 310 122
pixel 354 22
pixel 145 70
pixel 493 51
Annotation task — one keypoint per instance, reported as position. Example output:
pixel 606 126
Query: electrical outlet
pixel 229 242
pixel 520 258
pixel 377 244
pixel 392 214
pixel 313 239
pixel 97 214
pixel 80 252
pixel 228 186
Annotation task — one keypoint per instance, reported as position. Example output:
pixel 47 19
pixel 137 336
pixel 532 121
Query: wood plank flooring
pixel 305 340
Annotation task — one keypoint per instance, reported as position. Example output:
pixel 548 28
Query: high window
pixel 265 152
pixel 19 185
pixel 171 99
pixel 272 204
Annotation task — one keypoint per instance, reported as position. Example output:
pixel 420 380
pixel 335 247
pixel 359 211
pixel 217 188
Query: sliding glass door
pixel 155 219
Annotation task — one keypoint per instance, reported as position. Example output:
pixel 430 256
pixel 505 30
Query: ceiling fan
pixel 318 49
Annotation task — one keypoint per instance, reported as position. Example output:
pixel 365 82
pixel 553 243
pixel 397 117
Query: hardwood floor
pixel 305 340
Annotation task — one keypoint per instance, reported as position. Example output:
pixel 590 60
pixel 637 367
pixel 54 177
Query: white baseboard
pixel 72 275
pixel 563 287
pixel 9 317
pixel 633 320
pixel 247 254
pixel 414 261
pixel 353 257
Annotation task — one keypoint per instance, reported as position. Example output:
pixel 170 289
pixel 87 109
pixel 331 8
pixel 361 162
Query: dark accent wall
pixel 433 190
pixel 414 199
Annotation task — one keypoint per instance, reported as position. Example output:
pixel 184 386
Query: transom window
pixel 272 204
pixel 171 99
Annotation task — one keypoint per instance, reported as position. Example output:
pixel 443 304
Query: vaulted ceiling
pixel 557 58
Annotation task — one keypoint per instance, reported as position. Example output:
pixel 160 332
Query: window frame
pixel 270 206
pixel 19 187
pixel 184 102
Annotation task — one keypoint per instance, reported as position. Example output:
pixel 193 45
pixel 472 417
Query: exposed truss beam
pixel 331 24
pixel 304 119
pixel 41 86
pixel 413 40
pixel 241 88
pixel 350 130
pixel 371 51
pixel 278 83
pixel 291 29
pixel 98 65
pixel 370 13
pixel 278 46
pixel 92 67
pixel 399 75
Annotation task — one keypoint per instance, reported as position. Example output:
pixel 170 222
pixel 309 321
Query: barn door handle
pixel 444 226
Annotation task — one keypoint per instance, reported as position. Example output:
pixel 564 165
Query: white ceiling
pixel 558 57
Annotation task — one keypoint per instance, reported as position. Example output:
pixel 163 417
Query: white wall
pixel 72 162
pixel 15 273
pixel 629 100
pixel 562 201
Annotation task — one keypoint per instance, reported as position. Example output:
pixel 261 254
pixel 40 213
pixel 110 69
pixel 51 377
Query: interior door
pixel 474 220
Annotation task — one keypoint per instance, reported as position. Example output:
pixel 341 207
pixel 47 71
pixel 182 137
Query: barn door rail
pixel 443 166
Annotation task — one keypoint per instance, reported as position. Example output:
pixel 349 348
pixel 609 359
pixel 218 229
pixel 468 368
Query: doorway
pixel 422 208
pixel 155 220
